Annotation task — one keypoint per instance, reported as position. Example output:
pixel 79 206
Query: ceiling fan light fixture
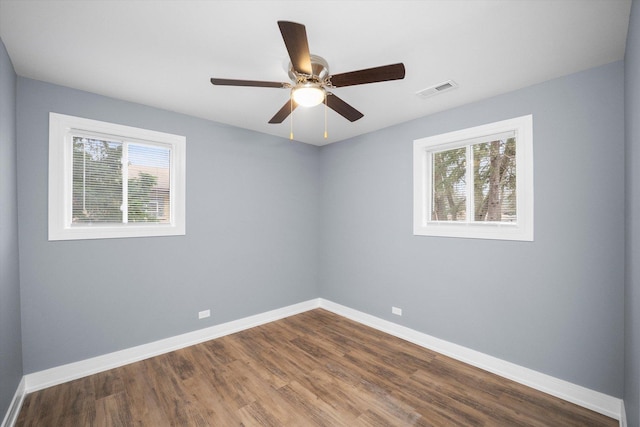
pixel 308 95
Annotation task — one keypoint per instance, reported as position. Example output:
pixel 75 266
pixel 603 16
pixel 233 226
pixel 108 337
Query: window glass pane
pixel 494 173
pixel 149 183
pixel 97 181
pixel 448 201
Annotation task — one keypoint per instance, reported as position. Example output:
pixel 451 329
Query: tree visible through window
pixel 98 184
pixel 449 197
pixel 494 173
pixel 97 181
pixel 493 181
pixel 476 182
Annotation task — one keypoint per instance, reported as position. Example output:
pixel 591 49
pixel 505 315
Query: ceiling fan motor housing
pixel 319 69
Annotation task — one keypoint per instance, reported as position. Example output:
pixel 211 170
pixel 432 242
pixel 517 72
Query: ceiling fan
pixel 311 83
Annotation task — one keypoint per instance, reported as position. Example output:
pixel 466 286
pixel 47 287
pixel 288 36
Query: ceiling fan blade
pixel 369 75
pixel 284 112
pixel 295 39
pixel 342 108
pixel 253 83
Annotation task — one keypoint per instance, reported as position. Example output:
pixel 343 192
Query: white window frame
pixel 61 131
pixel 423 148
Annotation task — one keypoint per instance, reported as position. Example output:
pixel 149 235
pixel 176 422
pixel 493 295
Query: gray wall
pixel 554 305
pixel 10 335
pixel 251 243
pixel 632 290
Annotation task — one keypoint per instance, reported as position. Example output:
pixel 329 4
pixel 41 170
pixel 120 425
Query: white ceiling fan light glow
pixel 308 95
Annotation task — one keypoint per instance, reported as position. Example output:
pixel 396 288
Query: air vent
pixel 436 89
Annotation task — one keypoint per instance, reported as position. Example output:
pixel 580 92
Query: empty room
pixel 328 213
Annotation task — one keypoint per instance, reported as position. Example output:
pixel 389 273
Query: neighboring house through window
pixel 108 180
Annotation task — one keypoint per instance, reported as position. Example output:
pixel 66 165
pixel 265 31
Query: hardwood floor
pixel 312 369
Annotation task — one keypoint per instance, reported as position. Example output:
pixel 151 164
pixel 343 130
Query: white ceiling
pixel 162 53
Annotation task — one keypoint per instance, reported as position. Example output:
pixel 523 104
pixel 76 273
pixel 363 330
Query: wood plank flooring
pixel 312 369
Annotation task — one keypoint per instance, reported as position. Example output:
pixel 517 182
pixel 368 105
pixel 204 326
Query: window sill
pixel 486 230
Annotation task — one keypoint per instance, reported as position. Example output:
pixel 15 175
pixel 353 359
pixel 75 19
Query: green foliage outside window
pixel 494 182
pixel 97 185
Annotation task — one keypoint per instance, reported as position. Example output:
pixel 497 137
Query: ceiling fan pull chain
pixel 291 122
pixel 325 115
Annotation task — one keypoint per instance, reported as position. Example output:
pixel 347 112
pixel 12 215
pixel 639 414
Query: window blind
pixel 475 182
pixel 120 182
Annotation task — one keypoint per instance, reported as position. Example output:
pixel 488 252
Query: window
pixel 108 181
pixel 476 183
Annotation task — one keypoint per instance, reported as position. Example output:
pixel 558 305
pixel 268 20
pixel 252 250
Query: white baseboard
pixel 623 415
pixel 607 405
pixel 590 399
pixel 11 416
pixel 61 374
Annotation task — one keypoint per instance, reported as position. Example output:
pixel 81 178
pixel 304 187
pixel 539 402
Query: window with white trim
pixel 113 181
pixel 476 182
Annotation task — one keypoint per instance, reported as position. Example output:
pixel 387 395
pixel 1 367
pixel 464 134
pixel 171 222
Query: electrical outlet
pixel 396 310
pixel 204 314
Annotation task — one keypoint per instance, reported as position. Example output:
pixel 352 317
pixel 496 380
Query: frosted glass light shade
pixel 308 95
